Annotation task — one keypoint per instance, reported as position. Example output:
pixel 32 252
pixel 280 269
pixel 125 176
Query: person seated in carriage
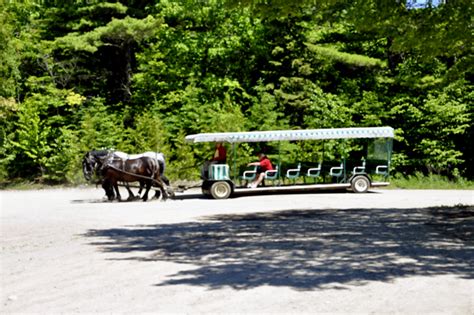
pixel 219 157
pixel 264 164
pixel 220 154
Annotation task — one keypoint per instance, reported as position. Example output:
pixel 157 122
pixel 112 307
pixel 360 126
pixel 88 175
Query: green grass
pixel 23 184
pixel 432 181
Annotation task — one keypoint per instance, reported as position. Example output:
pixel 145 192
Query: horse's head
pixel 92 162
pixel 88 165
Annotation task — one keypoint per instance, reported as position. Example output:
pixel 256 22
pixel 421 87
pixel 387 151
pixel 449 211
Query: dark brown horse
pixel 144 169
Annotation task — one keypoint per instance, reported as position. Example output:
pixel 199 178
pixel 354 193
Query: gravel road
pixel 387 251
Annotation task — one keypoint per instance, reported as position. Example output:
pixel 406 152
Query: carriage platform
pixel 299 188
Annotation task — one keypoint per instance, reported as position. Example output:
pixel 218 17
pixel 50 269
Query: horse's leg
pixel 156 183
pixel 148 186
pixel 165 180
pixel 170 191
pixel 163 191
pixel 115 184
pixel 166 183
pixel 104 185
pixel 131 196
pixel 109 191
pixel 157 193
pixel 142 184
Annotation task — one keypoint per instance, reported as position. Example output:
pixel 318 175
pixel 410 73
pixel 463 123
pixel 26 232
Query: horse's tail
pixel 154 168
pixel 158 156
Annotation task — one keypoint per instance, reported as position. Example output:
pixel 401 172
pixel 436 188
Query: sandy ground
pixel 389 251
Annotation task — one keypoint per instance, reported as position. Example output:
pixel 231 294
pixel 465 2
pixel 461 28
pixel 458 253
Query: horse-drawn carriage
pixel 222 180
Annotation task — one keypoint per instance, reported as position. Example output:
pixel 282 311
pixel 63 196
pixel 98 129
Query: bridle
pixel 91 165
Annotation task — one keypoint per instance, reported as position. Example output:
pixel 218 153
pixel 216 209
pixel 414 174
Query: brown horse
pixel 144 169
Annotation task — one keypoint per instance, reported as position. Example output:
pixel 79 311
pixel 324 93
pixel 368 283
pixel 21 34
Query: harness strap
pixel 133 174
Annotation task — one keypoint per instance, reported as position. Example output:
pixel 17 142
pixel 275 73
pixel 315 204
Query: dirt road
pixel 390 251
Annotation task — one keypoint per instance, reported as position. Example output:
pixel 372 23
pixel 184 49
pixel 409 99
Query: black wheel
pixel 220 190
pixel 360 184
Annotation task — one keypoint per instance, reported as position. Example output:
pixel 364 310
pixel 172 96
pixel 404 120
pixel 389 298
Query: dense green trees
pixel 140 75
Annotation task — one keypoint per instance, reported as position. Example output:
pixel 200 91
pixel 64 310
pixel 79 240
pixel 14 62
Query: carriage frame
pixel 220 185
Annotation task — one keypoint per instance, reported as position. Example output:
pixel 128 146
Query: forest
pixel 138 75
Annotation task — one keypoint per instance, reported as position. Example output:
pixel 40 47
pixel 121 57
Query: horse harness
pixel 111 157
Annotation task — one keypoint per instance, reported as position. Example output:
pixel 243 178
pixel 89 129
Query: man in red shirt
pixel 262 166
pixel 220 155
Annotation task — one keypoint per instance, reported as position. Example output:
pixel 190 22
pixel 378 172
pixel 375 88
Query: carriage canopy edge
pixel 289 135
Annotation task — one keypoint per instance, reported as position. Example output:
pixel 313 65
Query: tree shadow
pixel 304 249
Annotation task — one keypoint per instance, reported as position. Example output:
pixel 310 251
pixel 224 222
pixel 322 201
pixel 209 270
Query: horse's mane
pixel 100 153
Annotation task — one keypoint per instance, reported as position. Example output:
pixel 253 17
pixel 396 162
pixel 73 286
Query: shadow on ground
pixel 304 249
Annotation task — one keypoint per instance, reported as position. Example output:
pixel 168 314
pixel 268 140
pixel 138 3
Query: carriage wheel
pixel 360 184
pixel 220 190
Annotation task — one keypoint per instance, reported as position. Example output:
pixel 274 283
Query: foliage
pixel 140 75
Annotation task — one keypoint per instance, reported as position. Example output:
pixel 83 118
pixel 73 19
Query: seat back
pixel 314 171
pixel 337 171
pixel 383 170
pixel 294 172
pixel 359 169
pixel 273 174
pixel 249 173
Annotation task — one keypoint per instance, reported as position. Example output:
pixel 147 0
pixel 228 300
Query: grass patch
pixel 432 181
pixel 22 184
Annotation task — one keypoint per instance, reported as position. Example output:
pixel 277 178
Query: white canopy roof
pixel 286 135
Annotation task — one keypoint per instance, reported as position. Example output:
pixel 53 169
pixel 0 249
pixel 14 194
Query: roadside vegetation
pixel 432 181
pixel 140 75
